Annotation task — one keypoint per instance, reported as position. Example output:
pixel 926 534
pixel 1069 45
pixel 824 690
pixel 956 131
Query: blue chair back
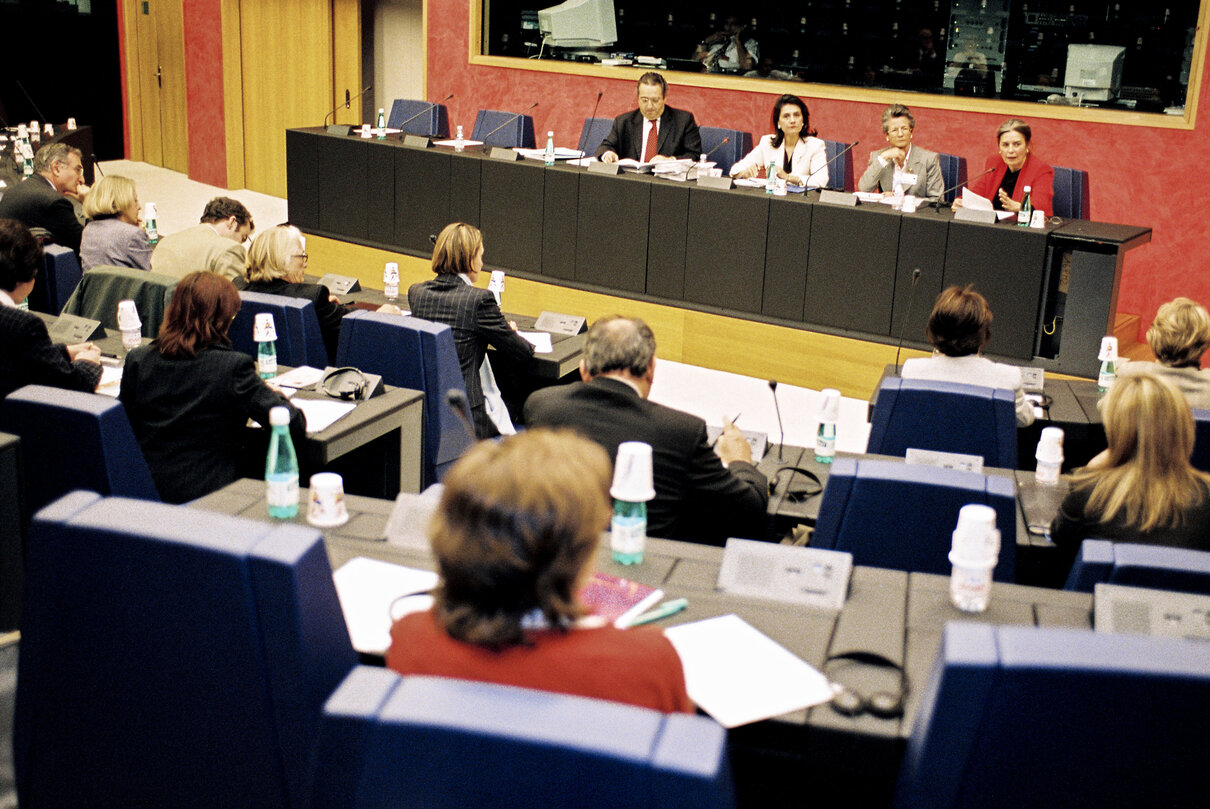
pixel 73 440
pixel 1201 440
pixel 1046 718
pixel 1072 199
pixel 840 171
pixel 517 132
pixel 593 133
pixel 172 657
pixel 299 340
pixel 1154 566
pixel 953 174
pixel 902 516
pixel 13 516
pixel 60 277
pixel 424 741
pixel 409 352
pixel 432 120
pixel 944 416
pixel 730 154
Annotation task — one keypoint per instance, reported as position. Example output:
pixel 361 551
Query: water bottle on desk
pixel 281 468
pixel 549 155
pixel 631 489
pixel 829 414
pixel 976 547
pixel 390 281
pixel 771 178
pixel 153 231
pixel 1027 209
pixel 264 334
pixel 1109 364
pixel 380 128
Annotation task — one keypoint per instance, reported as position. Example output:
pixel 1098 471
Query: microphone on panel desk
pixel 347 103
pixel 940 201
pixel 96 164
pixel 718 146
pixel 591 118
pixel 507 121
pixel 907 317
pixel 781 437
pixel 432 106
pixel 28 98
pixel 828 165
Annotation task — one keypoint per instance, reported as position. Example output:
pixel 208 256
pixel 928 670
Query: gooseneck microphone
pixel 348 101
pixel 41 117
pixel 593 117
pixel 937 203
pixel 457 402
pixel 828 166
pixel 96 164
pixel 507 121
pixel 906 317
pixel 432 106
pixel 720 145
pixel 781 438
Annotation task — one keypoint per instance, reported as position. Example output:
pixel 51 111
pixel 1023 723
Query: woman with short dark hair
pixel 189 395
pixel 958 328
pixel 515 536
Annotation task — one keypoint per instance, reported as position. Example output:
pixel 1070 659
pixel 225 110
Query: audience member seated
pixel 40 200
pixel 189 395
pixel 1179 336
pixel 728 50
pixel 700 495
pixel 515 537
pixel 27 356
pixel 654 131
pixel 476 320
pixel 1142 488
pixel 959 328
pixel 113 236
pixel 798 155
pixel 214 245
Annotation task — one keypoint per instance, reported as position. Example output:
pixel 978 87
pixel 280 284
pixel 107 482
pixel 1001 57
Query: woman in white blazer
pixel 799 160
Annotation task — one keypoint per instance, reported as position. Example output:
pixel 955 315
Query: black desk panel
pixel 302 178
pixel 787 250
pixel 1006 264
pixel 666 240
pixel 922 242
pixel 612 233
pixel 381 201
pixel 510 214
pixel 466 188
pixel 342 180
pixel 421 185
pixel 851 269
pixel 725 249
pixel 559 223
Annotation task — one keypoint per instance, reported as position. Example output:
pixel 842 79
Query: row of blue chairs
pixel 508 129
pixel 177 657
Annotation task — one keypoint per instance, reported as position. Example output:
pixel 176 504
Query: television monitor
pixel 1094 72
pixel 579 24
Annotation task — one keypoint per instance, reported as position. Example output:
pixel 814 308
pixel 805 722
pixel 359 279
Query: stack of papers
pixel 561 153
pixel 374 594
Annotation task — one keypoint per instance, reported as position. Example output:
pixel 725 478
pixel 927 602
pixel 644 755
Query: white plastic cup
pixel 390 280
pixel 71 123
pixel 327 507
pixel 632 479
pixel 129 324
pixel 1037 219
pixel 366 132
pixel 49 129
pixel 22 131
pixel 1049 455
pixel 1109 349
pixel 976 546
pixel 263 328
pixel 910 203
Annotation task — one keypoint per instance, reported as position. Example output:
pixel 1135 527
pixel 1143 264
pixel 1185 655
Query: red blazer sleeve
pixel 986 185
pixel 1040 177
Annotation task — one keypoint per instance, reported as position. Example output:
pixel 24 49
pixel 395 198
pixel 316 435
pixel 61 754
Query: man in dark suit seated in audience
pixel 27 356
pixel 700 496
pixel 654 131
pixel 39 199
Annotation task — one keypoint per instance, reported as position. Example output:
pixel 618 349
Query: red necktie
pixel 650 149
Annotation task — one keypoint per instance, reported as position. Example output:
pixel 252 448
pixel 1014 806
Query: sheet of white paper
pixel 367 588
pixel 304 376
pixel 739 675
pixel 540 340
pixel 111 381
pixel 869 196
pixel 454 142
pixel 972 200
pixel 561 153
pixel 323 413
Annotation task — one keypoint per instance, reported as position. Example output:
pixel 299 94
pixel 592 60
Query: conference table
pixel 807 756
pixel 794 260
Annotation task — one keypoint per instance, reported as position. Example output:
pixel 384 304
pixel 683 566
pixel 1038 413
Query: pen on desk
pixel 662 611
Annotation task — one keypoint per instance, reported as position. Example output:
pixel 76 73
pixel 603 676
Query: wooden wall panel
pixel 346 59
pixel 233 94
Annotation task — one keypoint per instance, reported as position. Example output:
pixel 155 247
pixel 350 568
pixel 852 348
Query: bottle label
pixel 1105 380
pixel 282 492
pixel 628 535
pixel 266 364
pixel 825 445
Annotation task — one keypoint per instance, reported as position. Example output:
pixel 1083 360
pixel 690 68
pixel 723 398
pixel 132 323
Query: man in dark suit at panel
pixel 39 199
pixel 654 131
pixel 700 496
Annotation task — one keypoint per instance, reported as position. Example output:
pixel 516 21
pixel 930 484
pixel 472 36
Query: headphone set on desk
pixel 345 383
pixel 883 704
pixel 786 489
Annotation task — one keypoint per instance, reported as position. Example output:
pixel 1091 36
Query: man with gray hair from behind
pixel 701 495
pixel 41 199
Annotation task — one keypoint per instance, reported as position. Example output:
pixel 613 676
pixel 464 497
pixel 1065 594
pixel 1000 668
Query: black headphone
pixel 883 704
pixel 798 494
pixel 345 383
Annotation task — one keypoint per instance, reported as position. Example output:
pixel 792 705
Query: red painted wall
pixel 204 91
pixel 1133 171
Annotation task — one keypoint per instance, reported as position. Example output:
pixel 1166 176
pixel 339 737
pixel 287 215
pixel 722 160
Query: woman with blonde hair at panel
pixel 113 236
pixel 1142 488
pixel 1179 336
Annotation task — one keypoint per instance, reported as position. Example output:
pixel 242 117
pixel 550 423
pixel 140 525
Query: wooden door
pixel 155 72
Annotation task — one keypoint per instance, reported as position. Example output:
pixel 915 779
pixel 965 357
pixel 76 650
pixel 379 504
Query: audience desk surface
pixel 895 614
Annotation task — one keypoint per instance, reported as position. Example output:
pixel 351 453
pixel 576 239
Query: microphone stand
pixel 348 100
pixel 432 106
pixel 507 121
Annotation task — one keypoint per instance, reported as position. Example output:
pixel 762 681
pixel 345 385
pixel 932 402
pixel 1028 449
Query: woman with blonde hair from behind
pixel 1142 488
pixel 1179 336
pixel 113 236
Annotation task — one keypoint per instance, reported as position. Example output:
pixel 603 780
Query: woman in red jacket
pixel 1009 173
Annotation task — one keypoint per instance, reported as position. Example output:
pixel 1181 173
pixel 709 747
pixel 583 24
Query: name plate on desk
pixel 944 460
pixel 337 129
pixel 418 141
pixel 830 197
pixel 340 284
pixel 721 183
pixel 965 214
pixel 557 323
pixel 504 153
pixel 72 329
pixel 603 168
pixel 810 576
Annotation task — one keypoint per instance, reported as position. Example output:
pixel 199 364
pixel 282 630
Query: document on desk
pixel 111 380
pixel 739 675
pixel 304 376
pixel 977 202
pixel 373 595
pixel 540 340
pixel 322 413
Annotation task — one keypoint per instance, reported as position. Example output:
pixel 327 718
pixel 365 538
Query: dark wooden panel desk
pixel 817 752
pixel 787 260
